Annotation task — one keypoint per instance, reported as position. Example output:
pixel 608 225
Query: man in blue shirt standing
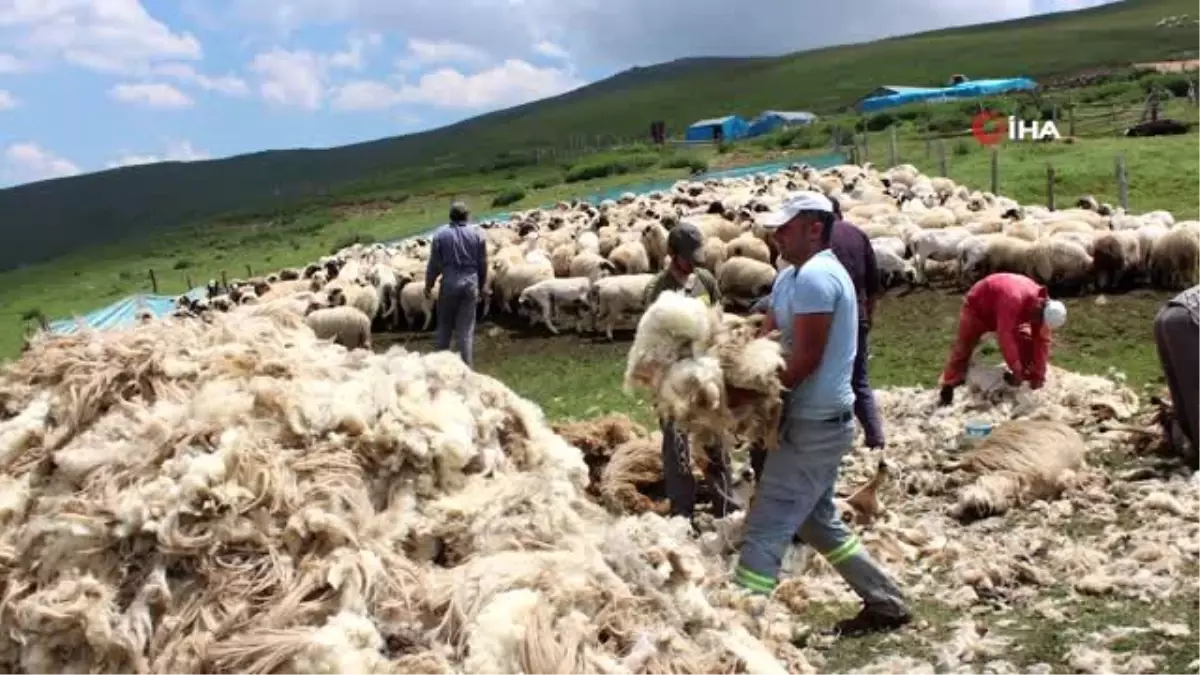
pixel 458 254
pixel 815 307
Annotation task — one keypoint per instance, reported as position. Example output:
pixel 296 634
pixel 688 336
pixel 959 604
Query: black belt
pixel 840 419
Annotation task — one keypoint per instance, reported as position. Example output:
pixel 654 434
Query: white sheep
pixel 387 290
pixel 614 298
pixel 546 299
pixel 511 279
pixel 630 257
pixel 746 245
pixel 937 245
pixel 414 304
pixel 347 326
pixel 590 265
pixel 744 280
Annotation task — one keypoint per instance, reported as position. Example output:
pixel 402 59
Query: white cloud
pixel 600 34
pixel 28 162
pixel 432 52
pixel 150 95
pixel 230 85
pixel 110 36
pixel 299 77
pixel 510 83
pixel 180 151
pixel 7 100
pixel 10 64
pixel 551 50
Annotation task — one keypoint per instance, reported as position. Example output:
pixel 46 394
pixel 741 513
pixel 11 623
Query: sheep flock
pixel 242 488
pixel 578 266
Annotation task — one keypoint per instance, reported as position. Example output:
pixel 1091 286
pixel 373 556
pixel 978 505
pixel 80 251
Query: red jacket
pixel 1006 303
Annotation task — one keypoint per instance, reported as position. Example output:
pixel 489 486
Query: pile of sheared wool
pixel 686 353
pixel 1128 536
pixel 237 497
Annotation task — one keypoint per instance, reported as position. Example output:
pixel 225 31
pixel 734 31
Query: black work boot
pixel 946 397
pixel 872 619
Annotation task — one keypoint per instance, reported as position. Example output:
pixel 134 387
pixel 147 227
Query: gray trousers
pixel 677 474
pixel 795 498
pixel 456 312
pixel 1178 343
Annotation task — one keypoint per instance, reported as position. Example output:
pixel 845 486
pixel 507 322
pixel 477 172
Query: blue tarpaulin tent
pixel 890 97
pixel 121 313
pixel 731 127
pixel 770 120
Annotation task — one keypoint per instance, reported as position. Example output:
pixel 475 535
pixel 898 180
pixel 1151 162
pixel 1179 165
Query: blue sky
pixel 87 85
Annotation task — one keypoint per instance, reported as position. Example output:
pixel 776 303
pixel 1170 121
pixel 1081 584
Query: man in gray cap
pixel 458 254
pixel 684 243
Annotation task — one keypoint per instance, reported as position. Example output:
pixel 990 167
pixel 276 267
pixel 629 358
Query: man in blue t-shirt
pixel 815 308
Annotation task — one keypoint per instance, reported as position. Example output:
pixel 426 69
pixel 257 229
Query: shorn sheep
pixel 1018 461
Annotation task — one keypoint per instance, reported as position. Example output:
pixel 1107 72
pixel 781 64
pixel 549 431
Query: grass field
pixel 56 217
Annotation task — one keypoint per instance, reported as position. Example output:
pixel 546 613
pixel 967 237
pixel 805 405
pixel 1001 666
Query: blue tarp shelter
pixel 121 313
pixel 730 126
pixel 771 120
pixel 890 97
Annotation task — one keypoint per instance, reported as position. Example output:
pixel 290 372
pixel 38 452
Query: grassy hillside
pixel 55 217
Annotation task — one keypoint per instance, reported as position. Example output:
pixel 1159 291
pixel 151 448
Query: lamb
pixel 546 298
pixel 999 254
pixel 414 304
pixel 744 280
pixel 347 325
pixel 1062 266
pixel 587 241
pixel 560 259
pixel 1174 258
pixel 712 254
pixel 654 239
pixel 938 245
pixel 630 258
pixel 894 269
pixel 364 298
pixel 387 290
pixel 1117 258
pixel 591 265
pixel 511 279
pixel 613 298
pixel 747 245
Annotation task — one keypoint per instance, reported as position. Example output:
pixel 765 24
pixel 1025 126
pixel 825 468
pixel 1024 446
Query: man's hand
pixel 736 398
pixel 1010 379
pixel 1036 384
pixel 428 292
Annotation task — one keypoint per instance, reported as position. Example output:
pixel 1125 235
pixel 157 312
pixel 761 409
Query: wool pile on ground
pixel 235 496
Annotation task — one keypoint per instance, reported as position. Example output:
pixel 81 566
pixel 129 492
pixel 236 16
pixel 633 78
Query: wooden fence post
pixel 153 281
pixel 1050 187
pixel 995 170
pixel 1112 112
pixel 1122 183
pixel 188 279
pixel 1071 119
pixel 224 281
pixel 892 150
pixel 928 145
pixel 941 149
pixel 866 146
pixel 250 272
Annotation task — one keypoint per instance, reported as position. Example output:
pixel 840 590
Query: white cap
pixel 1055 314
pixel 793 205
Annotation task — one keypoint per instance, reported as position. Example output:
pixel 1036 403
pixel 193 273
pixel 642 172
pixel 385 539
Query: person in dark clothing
pixel 684 243
pixel 458 254
pixel 852 247
pixel 1176 333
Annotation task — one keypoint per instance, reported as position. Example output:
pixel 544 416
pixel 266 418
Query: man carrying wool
pixel 682 274
pixel 814 305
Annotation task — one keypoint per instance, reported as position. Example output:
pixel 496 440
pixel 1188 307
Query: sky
pixel 90 85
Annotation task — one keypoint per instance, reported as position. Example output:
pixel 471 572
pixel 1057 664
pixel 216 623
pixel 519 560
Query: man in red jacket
pixel 1021 313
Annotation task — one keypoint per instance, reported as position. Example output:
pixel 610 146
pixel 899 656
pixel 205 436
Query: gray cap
pixel 685 241
pixel 459 212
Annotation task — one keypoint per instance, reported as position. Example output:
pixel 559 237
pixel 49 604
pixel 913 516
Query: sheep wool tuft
pixel 686 353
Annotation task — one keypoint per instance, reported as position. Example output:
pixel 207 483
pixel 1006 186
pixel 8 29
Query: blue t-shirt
pixel 820 286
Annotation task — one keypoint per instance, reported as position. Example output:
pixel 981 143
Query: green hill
pixel 50 218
